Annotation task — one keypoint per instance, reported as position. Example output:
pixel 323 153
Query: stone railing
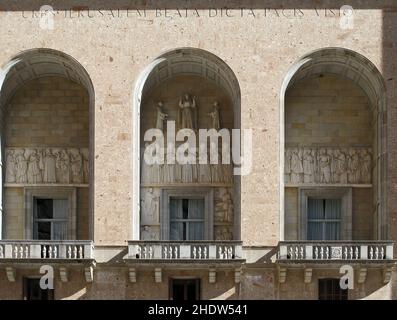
pixel 37 249
pixel 185 250
pixel 335 250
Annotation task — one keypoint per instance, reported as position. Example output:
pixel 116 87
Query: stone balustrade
pixel 335 250
pixel 185 250
pixel 37 249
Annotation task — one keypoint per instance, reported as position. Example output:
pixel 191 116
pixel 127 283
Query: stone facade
pixel 298 80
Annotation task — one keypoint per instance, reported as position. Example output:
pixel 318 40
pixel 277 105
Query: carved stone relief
pixel 150 233
pixel 224 208
pixel 46 165
pixel 223 233
pixel 150 206
pixel 324 165
pixel 186 173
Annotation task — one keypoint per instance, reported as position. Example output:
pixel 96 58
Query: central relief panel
pixel 186 201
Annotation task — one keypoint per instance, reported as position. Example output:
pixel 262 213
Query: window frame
pixel 343 193
pixel 331 296
pixel 190 193
pixel 68 193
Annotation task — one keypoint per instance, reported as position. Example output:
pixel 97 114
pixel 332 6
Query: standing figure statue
pixel 324 163
pixel 187 111
pixel 76 166
pixel 296 166
pixel 365 166
pixel 49 175
pixel 34 167
pixel 354 167
pixel 308 166
pixel 161 116
pixel 216 124
pixel 11 169
pixel 62 166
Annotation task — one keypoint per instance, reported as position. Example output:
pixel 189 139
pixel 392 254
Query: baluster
pixel 302 256
pixel 291 252
pixel 50 252
pixel 230 252
pixel 69 252
pixel 74 252
pixel 150 252
pixel 194 252
pixel 357 254
pixel 199 252
pixel 205 252
pixel 345 253
pixel 371 253
pixel 322 253
pixel 15 252
pixel 376 252
pixel 220 252
pixel 21 251
pixel 176 252
pixel 145 252
pixel 296 252
pixel 27 251
pixel 55 252
pixel 44 252
pixel 382 252
pixel 351 253
pixel 165 252
pixel 315 252
pixel 1 252
pixel 327 253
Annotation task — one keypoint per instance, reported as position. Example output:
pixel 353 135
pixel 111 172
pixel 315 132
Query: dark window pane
pixel 43 231
pixel 34 292
pixel 329 289
pixel 185 208
pixel 44 209
pixel 188 289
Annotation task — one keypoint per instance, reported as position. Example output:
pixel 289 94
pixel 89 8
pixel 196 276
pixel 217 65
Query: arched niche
pixel 167 78
pixel 21 73
pixel 355 70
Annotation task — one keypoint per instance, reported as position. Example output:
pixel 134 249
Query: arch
pixel 360 70
pixel 181 61
pixel 43 62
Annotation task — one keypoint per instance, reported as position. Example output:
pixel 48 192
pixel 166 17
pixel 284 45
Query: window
pixel 50 219
pixel 185 289
pixel 32 290
pixel 323 219
pixel 329 289
pixel 186 214
pixel 186 219
pixel 325 213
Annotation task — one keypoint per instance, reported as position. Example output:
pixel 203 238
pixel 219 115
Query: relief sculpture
pixel 46 166
pixel 328 165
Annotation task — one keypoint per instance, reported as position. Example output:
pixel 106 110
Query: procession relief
pixel 47 165
pixel 323 165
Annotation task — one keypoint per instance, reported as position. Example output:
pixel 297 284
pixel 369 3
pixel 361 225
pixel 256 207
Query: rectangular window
pixel 324 219
pixel 32 290
pixel 50 219
pixel 187 219
pixel 185 289
pixel 329 289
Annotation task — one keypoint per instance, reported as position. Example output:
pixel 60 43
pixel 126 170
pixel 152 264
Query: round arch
pixel 180 61
pixel 43 62
pixel 361 71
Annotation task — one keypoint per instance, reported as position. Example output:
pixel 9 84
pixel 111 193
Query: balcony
pixel 211 255
pixel 326 251
pixel 33 253
pixel 311 255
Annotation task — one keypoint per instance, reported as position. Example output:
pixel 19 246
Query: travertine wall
pixel 49 111
pixel 327 110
